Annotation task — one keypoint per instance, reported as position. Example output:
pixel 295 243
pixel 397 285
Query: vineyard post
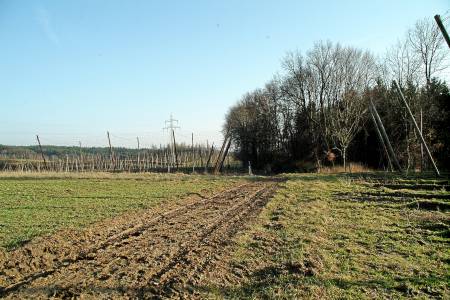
pixel 111 154
pixel 193 155
pixel 200 153
pixel 218 162
pixel 175 148
pixel 81 157
pixel 138 157
pixel 42 152
pixel 225 154
pixel 209 158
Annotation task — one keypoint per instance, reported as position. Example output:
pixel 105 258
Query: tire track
pixel 155 254
pixel 123 236
pixel 180 267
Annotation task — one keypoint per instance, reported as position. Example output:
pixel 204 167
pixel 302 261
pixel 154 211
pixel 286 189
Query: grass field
pixel 36 204
pixel 328 236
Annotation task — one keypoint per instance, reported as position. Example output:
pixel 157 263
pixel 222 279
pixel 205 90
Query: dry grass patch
pixel 311 243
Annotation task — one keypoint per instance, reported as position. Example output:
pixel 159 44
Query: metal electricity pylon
pixel 170 126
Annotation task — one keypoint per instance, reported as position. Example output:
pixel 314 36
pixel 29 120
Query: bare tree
pixel 354 74
pixel 320 64
pixel 319 101
pixel 427 42
pixel 403 63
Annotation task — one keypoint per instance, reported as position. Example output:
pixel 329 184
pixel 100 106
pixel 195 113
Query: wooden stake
pixel 42 152
pixel 209 157
pixel 421 146
pixel 225 154
pixel 216 166
pixel 175 148
pixel 81 158
pixel 111 153
pixel 138 157
pixel 193 155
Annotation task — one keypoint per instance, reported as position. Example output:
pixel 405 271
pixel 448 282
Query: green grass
pixel 37 204
pixel 321 236
pixel 311 242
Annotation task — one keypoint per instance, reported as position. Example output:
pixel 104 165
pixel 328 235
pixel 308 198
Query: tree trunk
pixel 344 153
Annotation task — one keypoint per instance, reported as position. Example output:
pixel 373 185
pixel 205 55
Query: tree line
pixel 315 112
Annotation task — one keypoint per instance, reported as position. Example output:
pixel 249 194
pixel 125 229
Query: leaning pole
pixel 386 138
pixel 442 28
pixel 417 128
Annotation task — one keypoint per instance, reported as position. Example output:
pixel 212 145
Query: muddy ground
pixel 159 253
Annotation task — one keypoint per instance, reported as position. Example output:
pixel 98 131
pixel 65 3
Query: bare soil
pixel 159 253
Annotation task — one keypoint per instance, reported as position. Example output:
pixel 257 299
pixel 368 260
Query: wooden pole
pixel 193 155
pixel 209 157
pixel 386 138
pixel 40 149
pixel 442 28
pixel 175 148
pixel 138 157
pixel 216 166
pixel 225 154
pixel 111 153
pixel 417 128
pixel 380 138
pixel 200 154
pixel 422 164
pixel 81 157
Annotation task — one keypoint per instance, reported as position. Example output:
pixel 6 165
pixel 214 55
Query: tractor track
pixel 151 256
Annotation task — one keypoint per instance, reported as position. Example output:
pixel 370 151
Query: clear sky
pixel 71 70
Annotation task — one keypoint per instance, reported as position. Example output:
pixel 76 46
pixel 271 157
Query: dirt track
pixel 158 253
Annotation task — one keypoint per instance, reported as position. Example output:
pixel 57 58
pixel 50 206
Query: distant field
pixel 36 204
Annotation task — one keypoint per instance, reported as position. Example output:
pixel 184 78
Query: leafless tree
pixel 403 63
pixel 354 74
pixel 427 42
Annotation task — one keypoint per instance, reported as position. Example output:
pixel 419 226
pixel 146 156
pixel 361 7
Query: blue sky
pixel 71 70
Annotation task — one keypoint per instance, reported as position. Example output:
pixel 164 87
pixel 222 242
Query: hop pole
pixel 436 170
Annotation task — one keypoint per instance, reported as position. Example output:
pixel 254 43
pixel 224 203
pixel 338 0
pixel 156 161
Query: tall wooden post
pixel 380 138
pixel 422 163
pixel 442 28
pixel 217 164
pixel 111 153
pixel 225 154
pixel 138 155
pixel 416 127
pixel 386 138
pixel 200 154
pixel 175 148
pixel 81 157
pixel 209 157
pixel 193 153
pixel 42 152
